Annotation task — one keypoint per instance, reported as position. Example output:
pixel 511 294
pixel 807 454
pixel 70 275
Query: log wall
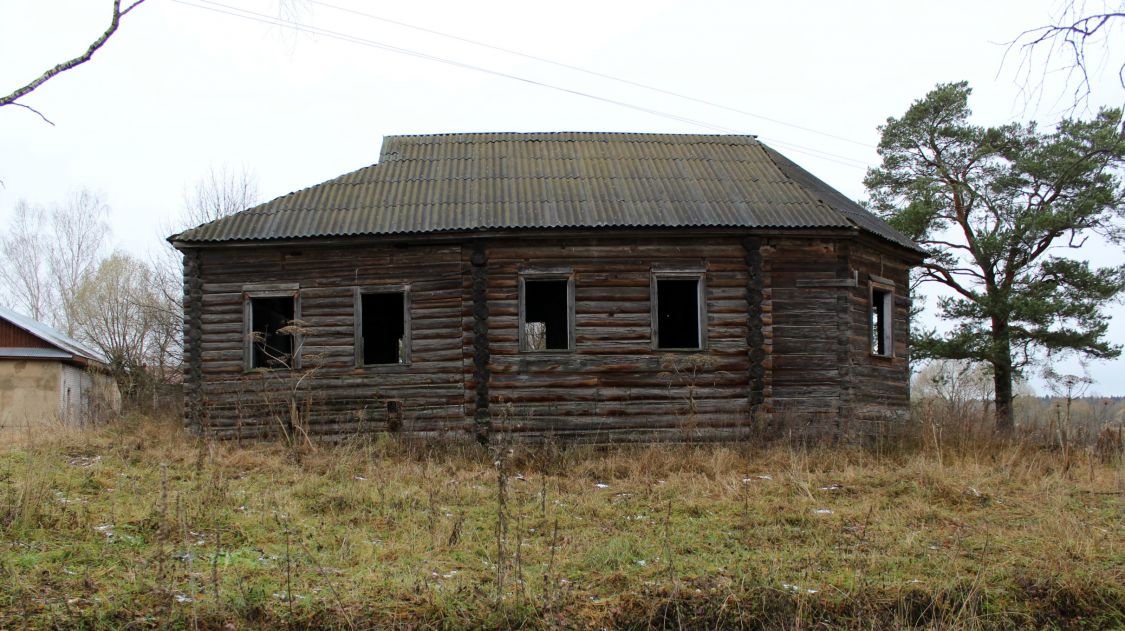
pixel 822 379
pixel 787 341
pixel 802 308
pixel 613 385
pixel 881 385
pixel 329 395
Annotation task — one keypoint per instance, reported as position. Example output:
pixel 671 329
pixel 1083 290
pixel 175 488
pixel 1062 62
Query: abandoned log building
pixel 589 285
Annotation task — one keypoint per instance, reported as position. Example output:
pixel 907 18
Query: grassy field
pixel 136 525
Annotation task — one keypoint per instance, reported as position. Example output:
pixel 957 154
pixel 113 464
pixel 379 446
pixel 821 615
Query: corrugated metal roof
pixel 52 336
pixel 466 182
pixel 34 353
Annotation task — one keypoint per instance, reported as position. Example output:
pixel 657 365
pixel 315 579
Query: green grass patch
pixel 139 526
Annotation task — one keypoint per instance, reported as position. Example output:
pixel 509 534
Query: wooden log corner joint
pixel 584 286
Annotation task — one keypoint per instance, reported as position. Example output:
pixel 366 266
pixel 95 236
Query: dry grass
pixel 138 526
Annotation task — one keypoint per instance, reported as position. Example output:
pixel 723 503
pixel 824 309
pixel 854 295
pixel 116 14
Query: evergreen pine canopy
pixel 1001 211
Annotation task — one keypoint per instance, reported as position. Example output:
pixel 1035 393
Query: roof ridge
pixel 640 134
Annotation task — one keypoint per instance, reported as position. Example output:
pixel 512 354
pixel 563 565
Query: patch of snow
pixel 85 461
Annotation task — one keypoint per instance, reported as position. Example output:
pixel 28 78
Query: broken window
pixel 271 339
pixel 881 305
pixel 677 313
pixel 382 336
pixel 546 312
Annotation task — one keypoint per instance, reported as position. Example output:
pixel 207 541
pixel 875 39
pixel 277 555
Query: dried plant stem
pixel 501 520
pixel 215 565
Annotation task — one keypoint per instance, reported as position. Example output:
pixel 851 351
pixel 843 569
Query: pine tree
pixel 1001 212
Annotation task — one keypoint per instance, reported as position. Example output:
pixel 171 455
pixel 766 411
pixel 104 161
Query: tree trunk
pixel 1002 376
pixel 1002 382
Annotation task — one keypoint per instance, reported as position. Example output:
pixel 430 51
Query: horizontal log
pixel 562 426
pixel 569 402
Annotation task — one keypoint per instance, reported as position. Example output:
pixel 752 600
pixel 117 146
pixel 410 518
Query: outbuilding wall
pixel 29 396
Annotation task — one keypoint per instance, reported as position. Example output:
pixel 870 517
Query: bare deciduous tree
pixel 221 191
pixel 46 253
pixel 120 309
pixel 958 383
pixel 75 242
pixel 114 22
pixel 23 262
pixel 1075 44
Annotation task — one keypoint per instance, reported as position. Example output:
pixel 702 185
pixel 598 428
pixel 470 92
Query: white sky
pixel 179 88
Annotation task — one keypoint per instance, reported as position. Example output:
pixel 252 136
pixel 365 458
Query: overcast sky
pixel 184 86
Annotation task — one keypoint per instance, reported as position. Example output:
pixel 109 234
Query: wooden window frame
pixel 698 275
pixel 886 289
pixel 407 335
pixel 547 274
pixel 279 290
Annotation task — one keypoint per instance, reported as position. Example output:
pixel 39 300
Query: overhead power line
pixel 227 9
pixel 588 71
pixel 246 14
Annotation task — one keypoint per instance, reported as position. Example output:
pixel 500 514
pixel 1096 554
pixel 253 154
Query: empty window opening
pixel 677 313
pixel 880 322
pixel 384 328
pixel 546 314
pixel 272 345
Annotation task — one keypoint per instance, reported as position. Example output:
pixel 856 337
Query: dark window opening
pixel 880 322
pixel 677 313
pixel 546 315
pixel 272 346
pixel 384 328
